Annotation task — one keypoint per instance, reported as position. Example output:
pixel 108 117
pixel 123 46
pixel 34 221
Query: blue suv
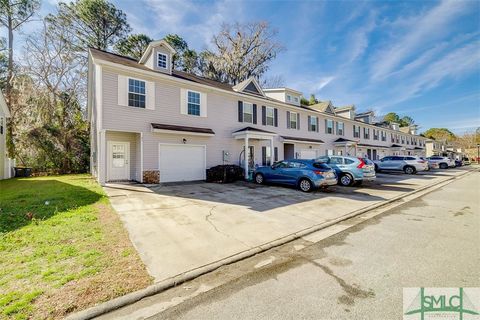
pixel 304 174
pixel 350 170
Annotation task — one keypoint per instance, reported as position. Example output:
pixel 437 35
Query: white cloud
pixel 423 31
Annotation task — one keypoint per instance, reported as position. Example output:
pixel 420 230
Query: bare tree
pixel 276 81
pixel 240 51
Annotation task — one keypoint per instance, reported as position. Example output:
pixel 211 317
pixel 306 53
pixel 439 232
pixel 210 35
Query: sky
pixel 415 58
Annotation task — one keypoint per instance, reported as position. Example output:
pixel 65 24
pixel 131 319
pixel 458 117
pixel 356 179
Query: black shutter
pixel 254 114
pixel 309 123
pixel 275 114
pixel 336 127
pixel 298 121
pixel 288 119
pixel 318 122
pixel 240 111
pixel 264 156
pixel 275 154
pixel 326 127
pixel 264 115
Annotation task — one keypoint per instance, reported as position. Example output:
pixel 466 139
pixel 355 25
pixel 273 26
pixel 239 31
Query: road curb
pixel 158 287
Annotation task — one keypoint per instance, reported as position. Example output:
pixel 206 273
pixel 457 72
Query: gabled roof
pixel 324 106
pixel 343 140
pixel 249 85
pixel 345 108
pixel 252 129
pixel 396 146
pixel 155 44
pixel 3 106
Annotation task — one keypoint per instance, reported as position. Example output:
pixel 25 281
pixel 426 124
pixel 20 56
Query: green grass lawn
pixel 62 248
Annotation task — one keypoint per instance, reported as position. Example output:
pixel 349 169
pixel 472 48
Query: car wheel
pixel 305 185
pixel 443 166
pixel 409 170
pixel 259 178
pixel 346 180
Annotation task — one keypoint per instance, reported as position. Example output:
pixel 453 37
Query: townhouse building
pixel 151 123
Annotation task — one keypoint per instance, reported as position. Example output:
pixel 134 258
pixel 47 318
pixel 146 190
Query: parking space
pixel 180 227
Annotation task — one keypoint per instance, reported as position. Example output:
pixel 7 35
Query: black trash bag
pixel 225 173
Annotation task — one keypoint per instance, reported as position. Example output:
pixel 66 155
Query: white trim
pixel 253 135
pixel 243 112
pixel 296 120
pixel 273 116
pixel 186 133
pixel 141 157
pixel 155 44
pixel 242 85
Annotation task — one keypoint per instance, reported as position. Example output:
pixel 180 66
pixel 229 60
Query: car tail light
pixel 421 161
pixel 362 163
pixel 318 172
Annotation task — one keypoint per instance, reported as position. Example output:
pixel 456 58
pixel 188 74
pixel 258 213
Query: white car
pixel 407 164
pixel 443 162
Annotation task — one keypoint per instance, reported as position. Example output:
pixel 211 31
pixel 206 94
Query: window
pixel 162 60
pixel 375 134
pixel 247 112
pixel 348 161
pixel 340 128
pixel 384 136
pixel 193 103
pixel 366 133
pixel 296 165
pixel 356 131
pixel 328 126
pixel 335 160
pixel 296 99
pixel 312 126
pixel 136 93
pixel 293 120
pixel 270 116
pixel 266 156
pixel 289 98
pixel 391 135
pixel 281 164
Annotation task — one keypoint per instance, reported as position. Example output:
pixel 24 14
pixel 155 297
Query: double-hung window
pixel 247 112
pixel 375 134
pixel 162 60
pixel 340 129
pixel 193 103
pixel 313 123
pixel 293 120
pixel 270 116
pixel 136 93
pixel 329 126
pixel 384 136
pixel 366 133
pixel 356 131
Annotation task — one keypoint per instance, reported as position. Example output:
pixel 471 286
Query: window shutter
pixel 122 90
pixel 150 95
pixel 254 114
pixel 288 119
pixel 336 127
pixel 183 101
pixel 298 121
pixel 240 111
pixel 309 123
pixel 203 104
pixel 275 115
pixel 264 156
pixel 275 153
pixel 318 122
pixel 264 115
pixel 326 128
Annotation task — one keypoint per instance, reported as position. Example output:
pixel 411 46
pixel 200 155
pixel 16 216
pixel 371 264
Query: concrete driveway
pixel 178 228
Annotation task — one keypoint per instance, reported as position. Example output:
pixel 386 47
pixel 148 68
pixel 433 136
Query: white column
pixel 102 158
pixel 272 153
pixel 141 157
pixel 246 157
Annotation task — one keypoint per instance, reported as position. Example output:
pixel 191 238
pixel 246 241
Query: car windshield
pixel 322 159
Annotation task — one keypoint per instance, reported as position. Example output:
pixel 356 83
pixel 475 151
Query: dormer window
pixel 162 60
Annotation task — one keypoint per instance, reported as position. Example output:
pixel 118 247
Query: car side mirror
pixel 273 167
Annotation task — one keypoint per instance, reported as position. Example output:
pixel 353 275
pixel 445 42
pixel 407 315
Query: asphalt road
pixel 359 273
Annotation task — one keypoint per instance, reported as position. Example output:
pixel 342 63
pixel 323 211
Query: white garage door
pixel 181 162
pixel 308 154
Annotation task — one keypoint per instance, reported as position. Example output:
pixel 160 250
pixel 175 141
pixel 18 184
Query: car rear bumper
pixel 326 182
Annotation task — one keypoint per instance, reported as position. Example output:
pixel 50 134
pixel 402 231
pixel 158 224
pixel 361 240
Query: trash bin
pixel 22 172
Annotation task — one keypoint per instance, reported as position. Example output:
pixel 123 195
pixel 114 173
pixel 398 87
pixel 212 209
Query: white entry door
pixel 118 161
pixel 181 162
pixel 308 154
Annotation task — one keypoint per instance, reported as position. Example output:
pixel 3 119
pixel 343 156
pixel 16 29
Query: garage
pixel 308 154
pixel 181 162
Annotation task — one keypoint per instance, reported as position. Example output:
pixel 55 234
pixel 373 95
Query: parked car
pixel 350 170
pixel 304 174
pixel 443 162
pixel 458 163
pixel 430 165
pixel 407 164
pixel 466 161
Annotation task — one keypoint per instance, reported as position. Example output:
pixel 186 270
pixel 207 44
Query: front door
pixel 118 161
pixel 369 154
pixel 374 154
